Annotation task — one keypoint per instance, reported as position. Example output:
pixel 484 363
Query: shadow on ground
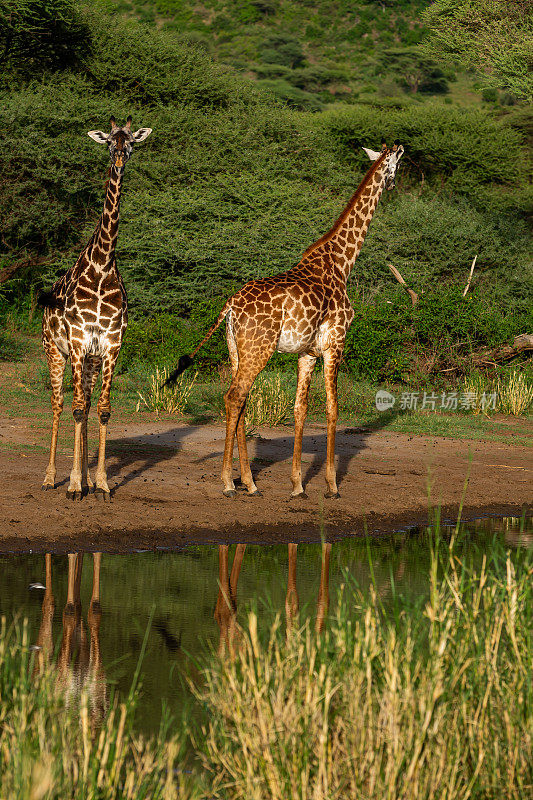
pixel 131 457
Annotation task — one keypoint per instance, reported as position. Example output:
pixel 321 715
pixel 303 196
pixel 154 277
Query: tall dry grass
pixel 269 402
pixel 515 393
pixel 424 704
pixel 171 399
pixel 49 750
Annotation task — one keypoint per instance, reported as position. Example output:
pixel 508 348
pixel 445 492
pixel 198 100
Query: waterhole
pixel 90 614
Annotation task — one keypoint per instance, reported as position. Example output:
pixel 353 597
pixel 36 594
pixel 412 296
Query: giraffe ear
pixel 373 156
pixel 98 136
pixel 141 134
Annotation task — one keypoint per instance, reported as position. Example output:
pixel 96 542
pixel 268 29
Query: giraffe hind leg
pixel 74 491
pixel 235 399
pixel 246 472
pixel 306 364
pixel 56 366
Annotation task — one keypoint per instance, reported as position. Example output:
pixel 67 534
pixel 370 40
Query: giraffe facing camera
pixel 85 318
pixel 306 311
pixel 120 141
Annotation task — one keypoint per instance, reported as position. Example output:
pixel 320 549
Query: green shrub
pixel 147 66
pixel 291 95
pixel 162 339
pixel 38 35
pixel 282 49
pixel 490 95
pixel 439 140
pixel 388 339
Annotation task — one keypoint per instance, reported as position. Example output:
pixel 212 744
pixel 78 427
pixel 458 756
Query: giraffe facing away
pixel 305 311
pixel 85 317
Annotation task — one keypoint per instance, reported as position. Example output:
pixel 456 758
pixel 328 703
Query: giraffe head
pixel 391 161
pixel 120 141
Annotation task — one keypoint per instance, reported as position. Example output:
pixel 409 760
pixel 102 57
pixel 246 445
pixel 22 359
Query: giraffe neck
pixel 347 235
pixel 101 248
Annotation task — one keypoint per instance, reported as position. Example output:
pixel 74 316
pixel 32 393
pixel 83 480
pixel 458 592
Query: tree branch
pixel 413 295
pixel 467 287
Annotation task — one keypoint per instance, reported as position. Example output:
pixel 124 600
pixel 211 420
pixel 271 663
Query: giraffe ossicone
pixel 304 311
pixel 85 317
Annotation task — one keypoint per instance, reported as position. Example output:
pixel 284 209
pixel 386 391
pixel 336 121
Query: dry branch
pixel 469 281
pixel 413 295
pixel 522 343
pixel 9 271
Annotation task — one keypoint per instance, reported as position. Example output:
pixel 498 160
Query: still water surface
pixel 94 630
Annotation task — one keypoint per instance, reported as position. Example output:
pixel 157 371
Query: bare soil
pixel 166 490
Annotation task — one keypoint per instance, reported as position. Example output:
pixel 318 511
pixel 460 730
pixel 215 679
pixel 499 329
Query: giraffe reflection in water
pixel 226 605
pixel 79 662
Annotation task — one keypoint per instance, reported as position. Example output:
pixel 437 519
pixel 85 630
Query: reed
pixel 420 703
pixel 515 393
pixel 50 747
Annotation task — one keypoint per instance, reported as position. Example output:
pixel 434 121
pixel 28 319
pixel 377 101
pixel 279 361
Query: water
pixel 178 591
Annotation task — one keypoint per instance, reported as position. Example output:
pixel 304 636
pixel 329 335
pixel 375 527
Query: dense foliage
pixel 233 185
pixel 495 37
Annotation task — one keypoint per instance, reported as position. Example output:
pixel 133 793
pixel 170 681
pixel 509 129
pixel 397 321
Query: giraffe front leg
pixel 306 364
pixel 102 490
pixel 91 368
pixel 74 491
pixel 332 359
pixel 56 366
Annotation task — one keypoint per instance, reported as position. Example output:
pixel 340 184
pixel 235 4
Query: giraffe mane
pixel 347 209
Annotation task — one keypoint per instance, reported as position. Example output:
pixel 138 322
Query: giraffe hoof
pixel 74 495
pixel 299 496
pixel 90 489
pixel 332 495
pixel 230 493
pixel 101 494
pixel 255 493
pixel 46 486
pixel 95 607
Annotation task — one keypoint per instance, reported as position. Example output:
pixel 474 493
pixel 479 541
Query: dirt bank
pixel 166 489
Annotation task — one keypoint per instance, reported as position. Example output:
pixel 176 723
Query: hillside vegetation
pixel 234 183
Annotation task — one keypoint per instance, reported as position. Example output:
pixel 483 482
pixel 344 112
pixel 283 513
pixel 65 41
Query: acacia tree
pixel 494 37
pixel 414 70
pixel 41 34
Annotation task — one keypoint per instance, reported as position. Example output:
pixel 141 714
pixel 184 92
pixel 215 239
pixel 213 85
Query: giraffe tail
pixel 186 360
pixel 49 300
